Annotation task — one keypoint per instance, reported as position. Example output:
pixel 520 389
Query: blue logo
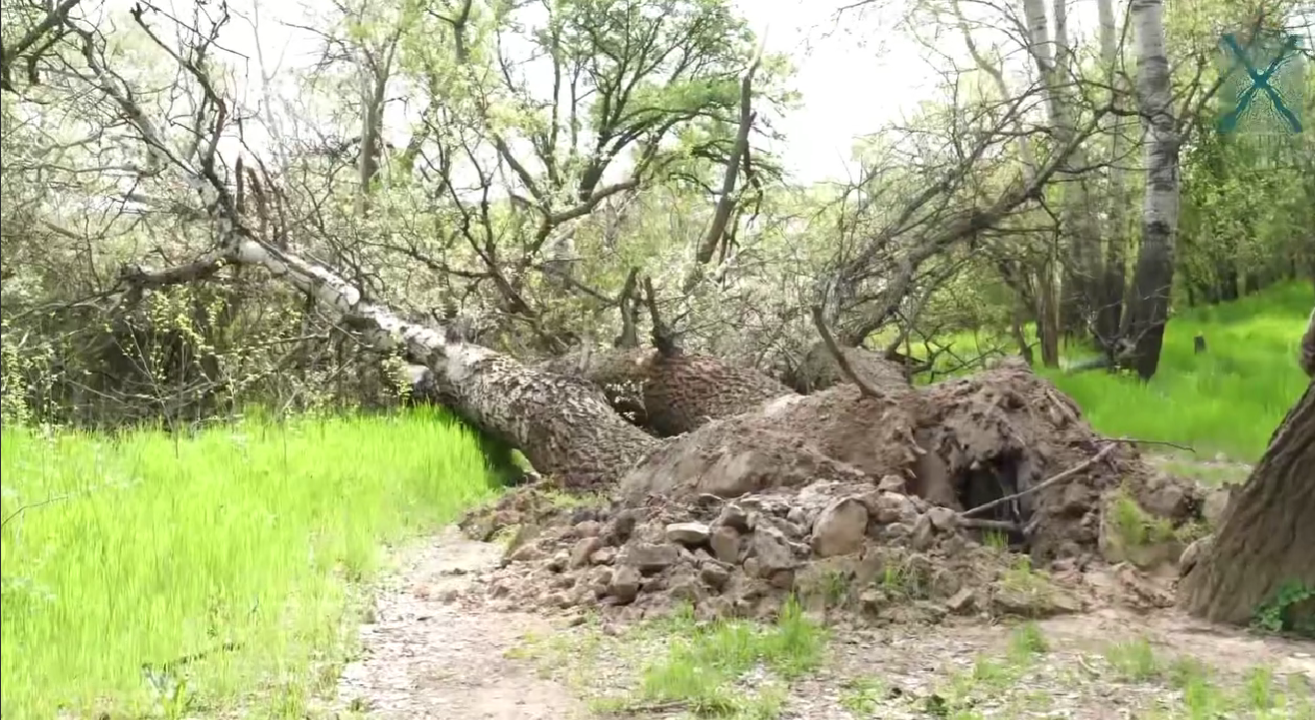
pixel 1262 91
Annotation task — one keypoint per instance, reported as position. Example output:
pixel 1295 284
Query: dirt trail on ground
pixel 433 650
pixel 429 654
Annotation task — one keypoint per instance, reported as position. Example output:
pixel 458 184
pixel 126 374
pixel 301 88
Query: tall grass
pixel 145 548
pixel 1227 400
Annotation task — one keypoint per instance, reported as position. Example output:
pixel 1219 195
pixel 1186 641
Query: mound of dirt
pixel 857 504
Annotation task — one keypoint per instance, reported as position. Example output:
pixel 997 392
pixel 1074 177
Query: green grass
pixel 1228 400
pixel 142 549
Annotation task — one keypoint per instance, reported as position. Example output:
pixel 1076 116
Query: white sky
pixel 855 76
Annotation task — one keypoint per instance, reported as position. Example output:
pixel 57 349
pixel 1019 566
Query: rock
pixel 735 517
pixel 584 549
pixel 962 602
pixel 840 528
pixel 715 575
pixel 560 561
pixel 1170 500
pixel 797 516
pixel 625 585
pixel 603 556
pixel 725 542
pixel 893 484
pixel 648 557
pixel 588 528
pixel 1193 554
pixel 872 600
pixel 781 579
pixel 687 533
pixel 619 529
pixel 1216 502
pixel 923 534
pixel 527 553
pixel 772 550
pixel 889 507
pixel 685 587
pixel 943 518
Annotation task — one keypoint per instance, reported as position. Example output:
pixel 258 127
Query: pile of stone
pixel 877 553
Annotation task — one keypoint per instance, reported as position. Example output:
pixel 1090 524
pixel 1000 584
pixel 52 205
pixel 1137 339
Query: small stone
pixel 603 556
pixel 943 518
pixel 588 528
pixel 714 575
pixel 772 549
pixel 871 600
pixel 527 553
pixel 725 542
pixel 781 579
pixel 584 549
pixel 923 534
pixel 559 561
pixel 840 528
pixel 893 483
pixel 962 602
pixel 797 516
pixel 688 533
pixel 625 585
pixel 559 599
pixel 890 507
pixel 734 516
pixel 648 557
pixel 685 588
pixel 619 529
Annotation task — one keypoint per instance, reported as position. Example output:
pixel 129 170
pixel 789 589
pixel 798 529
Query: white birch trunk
pixel 1155 262
pixel 1110 312
pixel 1052 58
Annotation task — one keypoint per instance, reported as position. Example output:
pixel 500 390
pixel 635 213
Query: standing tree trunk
pixel 1153 279
pixel 1266 536
pixel 1267 533
pixel 1110 313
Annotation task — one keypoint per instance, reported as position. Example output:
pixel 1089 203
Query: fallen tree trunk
pixel 1265 538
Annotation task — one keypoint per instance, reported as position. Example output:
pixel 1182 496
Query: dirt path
pixel 428 655
pixel 432 653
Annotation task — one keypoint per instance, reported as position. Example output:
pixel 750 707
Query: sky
pixel 856 73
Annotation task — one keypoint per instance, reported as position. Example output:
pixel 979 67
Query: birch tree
pixel 1153 279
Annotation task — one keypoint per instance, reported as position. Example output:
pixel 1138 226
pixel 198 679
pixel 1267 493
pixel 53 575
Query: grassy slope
pixel 1228 400
pixel 163 548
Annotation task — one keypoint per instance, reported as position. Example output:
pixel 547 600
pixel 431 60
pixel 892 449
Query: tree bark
pixel 1109 318
pixel 1267 533
pixel 1153 278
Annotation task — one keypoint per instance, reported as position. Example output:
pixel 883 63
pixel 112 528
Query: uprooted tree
pixel 999 440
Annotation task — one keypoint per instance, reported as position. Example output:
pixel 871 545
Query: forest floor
pixel 430 651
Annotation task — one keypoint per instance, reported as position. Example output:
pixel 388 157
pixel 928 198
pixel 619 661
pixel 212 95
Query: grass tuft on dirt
pixel 124 557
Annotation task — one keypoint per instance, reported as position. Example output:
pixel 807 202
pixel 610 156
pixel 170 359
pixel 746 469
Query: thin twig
pixel 1043 485
pixel 841 360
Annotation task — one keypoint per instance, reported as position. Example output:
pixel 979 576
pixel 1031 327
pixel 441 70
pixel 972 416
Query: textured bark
pixel 1307 357
pixel 819 370
pixel 565 427
pixel 670 395
pixel 1052 60
pixel 1109 316
pixel 1153 278
pixel 1267 533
